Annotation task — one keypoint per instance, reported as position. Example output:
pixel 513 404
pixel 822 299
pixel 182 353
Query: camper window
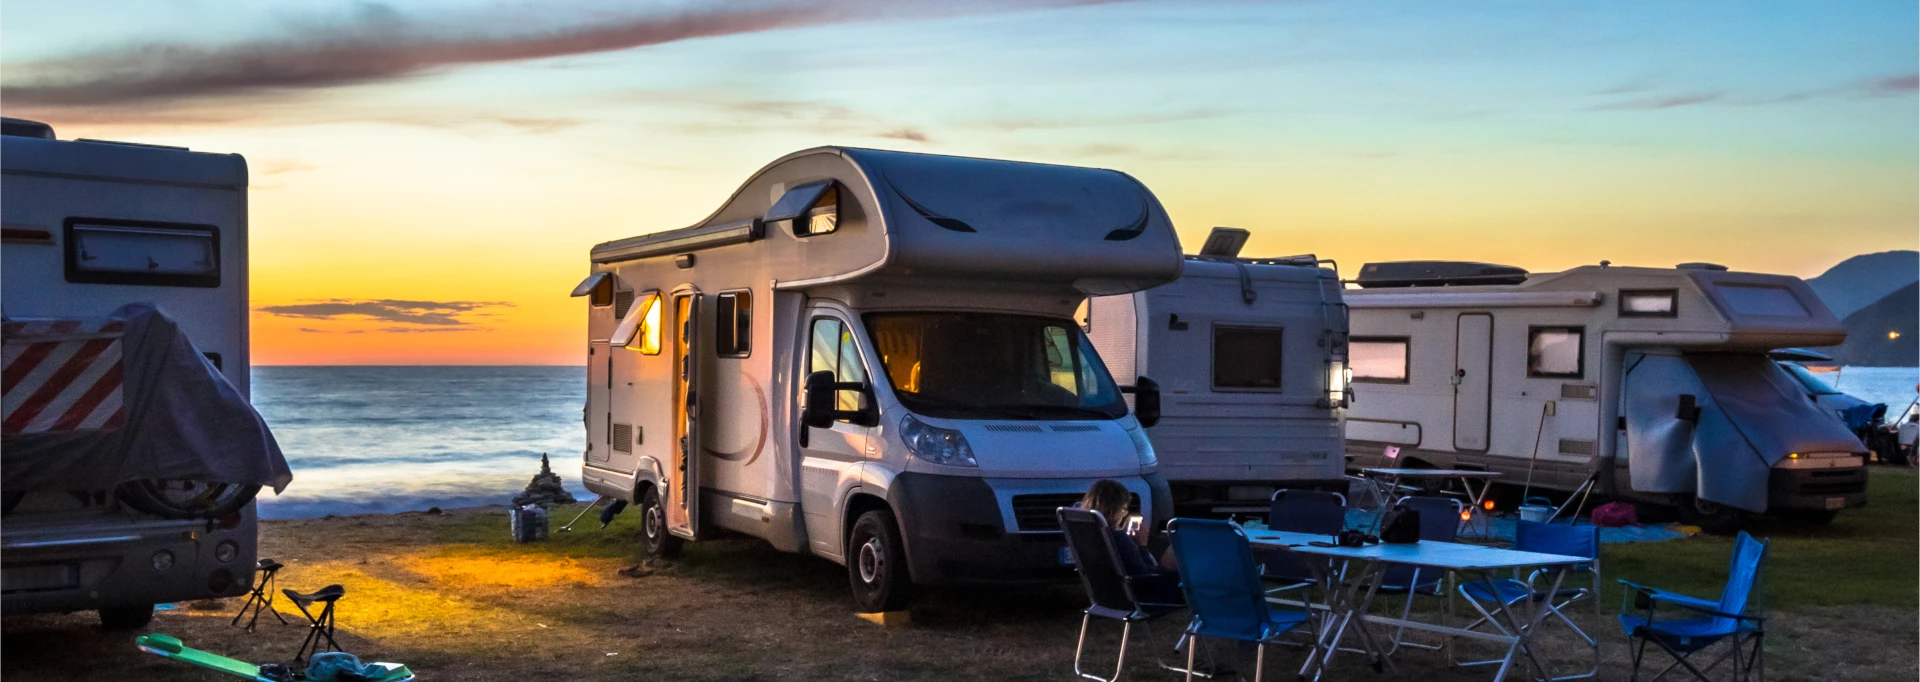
pixel 733 319
pixel 834 350
pixel 813 208
pixel 640 328
pixel 987 365
pixel 1555 352
pixel 1246 358
pixel 1649 303
pixel 103 251
pixel 1379 360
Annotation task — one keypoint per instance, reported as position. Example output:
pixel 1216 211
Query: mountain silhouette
pixel 1859 281
pixel 1886 333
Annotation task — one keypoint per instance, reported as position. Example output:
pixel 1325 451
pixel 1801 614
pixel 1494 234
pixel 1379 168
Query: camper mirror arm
pixel 1146 401
pixel 821 390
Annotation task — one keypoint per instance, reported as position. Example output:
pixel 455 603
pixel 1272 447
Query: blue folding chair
pixel 1728 620
pixel 1223 590
pixel 1439 522
pixel 1114 594
pixel 1301 511
pixel 1567 540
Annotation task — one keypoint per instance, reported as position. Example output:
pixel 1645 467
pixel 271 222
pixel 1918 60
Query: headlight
pixel 935 444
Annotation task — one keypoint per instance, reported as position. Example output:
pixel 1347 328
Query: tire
pixel 182 499
pixel 1817 517
pixel 654 538
pixel 877 564
pixel 126 617
pixel 1711 517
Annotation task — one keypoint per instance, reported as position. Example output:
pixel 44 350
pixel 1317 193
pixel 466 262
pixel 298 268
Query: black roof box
pixel 20 127
pixel 1437 273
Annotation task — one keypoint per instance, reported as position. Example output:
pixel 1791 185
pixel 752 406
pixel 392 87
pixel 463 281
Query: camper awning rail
pixel 1475 299
pixel 679 241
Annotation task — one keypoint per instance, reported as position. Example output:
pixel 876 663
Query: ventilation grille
pixel 1569 446
pixel 1075 428
pixel 1577 391
pixel 622 300
pixel 622 437
pixel 1015 428
pixel 1036 512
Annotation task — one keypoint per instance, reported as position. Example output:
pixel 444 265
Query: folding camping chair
pixel 260 598
pixel 1300 511
pixel 1545 538
pixel 1224 593
pixel 1726 620
pixel 1439 522
pixel 1113 593
pixel 319 626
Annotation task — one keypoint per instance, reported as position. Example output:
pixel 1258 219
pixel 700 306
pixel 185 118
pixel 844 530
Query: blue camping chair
pixel 1301 511
pixel 1114 593
pixel 1728 620
pixel 1223 590
pixel 1439 522
pixel 1569 540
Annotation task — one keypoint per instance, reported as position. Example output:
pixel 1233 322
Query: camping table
pixel 1347 603
pixel 1387 481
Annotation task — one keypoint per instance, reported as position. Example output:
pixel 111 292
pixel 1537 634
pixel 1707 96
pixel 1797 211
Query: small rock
pixel 434 511
pixel 636 571
pixel 545 489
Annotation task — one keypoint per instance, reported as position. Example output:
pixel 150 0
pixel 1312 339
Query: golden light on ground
pixel 499 570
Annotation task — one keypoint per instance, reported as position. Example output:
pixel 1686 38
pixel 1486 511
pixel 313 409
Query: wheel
pixel 1712 517
pixel 877 563
pixel 126 617
pixel 184 499
pixel 1818 517
pixel 654 537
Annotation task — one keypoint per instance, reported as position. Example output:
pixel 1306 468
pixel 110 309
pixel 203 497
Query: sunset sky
pixel 429 176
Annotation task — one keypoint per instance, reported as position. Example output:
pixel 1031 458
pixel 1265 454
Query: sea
pixel 367 440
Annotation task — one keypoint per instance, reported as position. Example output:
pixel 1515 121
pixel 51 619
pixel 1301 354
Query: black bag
pixel 1401 525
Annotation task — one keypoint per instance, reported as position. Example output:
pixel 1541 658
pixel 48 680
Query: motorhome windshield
pixel 1806 378
pixel 993 366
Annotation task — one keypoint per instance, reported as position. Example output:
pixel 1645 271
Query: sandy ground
pixel 447 595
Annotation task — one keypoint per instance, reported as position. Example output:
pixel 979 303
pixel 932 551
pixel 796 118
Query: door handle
pixel 1458 376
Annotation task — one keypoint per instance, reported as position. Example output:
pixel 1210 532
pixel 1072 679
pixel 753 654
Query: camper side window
pixel 1555 352
pixel 107 251
pixel 834 350
pixel 1246 358
pixel 733 319
pixel 1378 360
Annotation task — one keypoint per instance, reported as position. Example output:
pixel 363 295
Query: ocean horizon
pixel 380 439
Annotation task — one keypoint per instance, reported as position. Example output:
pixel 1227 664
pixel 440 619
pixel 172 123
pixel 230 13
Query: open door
pixel 683 507
pixel 1472 383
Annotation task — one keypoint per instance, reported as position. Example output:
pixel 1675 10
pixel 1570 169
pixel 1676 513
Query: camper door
pixel 683 503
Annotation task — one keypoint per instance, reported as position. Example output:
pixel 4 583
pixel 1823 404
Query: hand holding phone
pixel 1135 526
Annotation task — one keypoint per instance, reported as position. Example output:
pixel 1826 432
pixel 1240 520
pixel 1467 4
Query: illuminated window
pixel 1659 303
pixel 834 350
pixel 1555 352
pixel 640 329
pixel 1379 360
pixel 733 324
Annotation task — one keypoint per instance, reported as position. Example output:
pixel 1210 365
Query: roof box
pixel 1435 273
pixel 20 127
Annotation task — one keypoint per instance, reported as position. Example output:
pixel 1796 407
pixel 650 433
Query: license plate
pixel 41 577
pixel 1836 503
pixel 1066 556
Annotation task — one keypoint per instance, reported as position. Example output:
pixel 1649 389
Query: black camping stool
pixel 321 626
pixel 261 598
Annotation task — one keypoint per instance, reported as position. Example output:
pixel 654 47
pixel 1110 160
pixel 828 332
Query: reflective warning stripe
pixel 62 375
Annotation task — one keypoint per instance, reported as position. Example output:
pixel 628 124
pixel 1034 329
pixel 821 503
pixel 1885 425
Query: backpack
pixel 1615 515
pixel 1401 525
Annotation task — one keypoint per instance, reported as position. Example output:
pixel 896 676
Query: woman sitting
pixel 1156 580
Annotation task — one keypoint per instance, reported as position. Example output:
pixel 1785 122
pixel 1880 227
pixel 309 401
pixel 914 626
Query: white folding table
pixel 1387 481
pixel 1349 599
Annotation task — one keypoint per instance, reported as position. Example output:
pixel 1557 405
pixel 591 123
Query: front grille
pixel 1036 512
pixel 1075 428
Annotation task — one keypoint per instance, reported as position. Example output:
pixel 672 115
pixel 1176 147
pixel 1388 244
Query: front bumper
pixel 961 530
pixel 1816 489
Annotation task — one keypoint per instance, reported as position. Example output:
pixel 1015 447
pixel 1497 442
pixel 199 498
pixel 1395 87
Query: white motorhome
pixel 870 356
pixel 1655 381
pixel 88 227
pixel 1250 357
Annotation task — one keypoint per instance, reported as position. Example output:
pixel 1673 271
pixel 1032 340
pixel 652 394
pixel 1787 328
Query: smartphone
pixel 1133 524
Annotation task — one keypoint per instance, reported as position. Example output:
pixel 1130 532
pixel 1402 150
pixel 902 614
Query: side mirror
pixel 1688 411
pixel 1146 401
pixel 823 399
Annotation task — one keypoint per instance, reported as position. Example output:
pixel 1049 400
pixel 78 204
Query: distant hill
pixel 1886 333
pixel 1859 281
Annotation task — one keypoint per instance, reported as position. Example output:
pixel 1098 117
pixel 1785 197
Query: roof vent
pixel 20 127
pixel 1716 267
pixel 1434 273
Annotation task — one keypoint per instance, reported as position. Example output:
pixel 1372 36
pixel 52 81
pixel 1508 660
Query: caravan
pixel 1653 383
pixel 1250 355
pixel 870 356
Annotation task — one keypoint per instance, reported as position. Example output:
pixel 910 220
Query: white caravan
pixel 870 356
pixel 1656 381
pixel 88 227
pixel 1250 357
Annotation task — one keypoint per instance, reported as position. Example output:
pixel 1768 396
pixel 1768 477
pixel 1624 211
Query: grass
pixel 449 595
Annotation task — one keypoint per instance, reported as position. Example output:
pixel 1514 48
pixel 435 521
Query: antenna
pixel 1224 242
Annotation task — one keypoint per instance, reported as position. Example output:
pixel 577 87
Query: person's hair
pixel 1109 498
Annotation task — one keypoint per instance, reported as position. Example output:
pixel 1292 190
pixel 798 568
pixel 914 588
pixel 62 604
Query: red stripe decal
pixel 57 383
pixel 24 365
pixel 84 407
pixel 119 418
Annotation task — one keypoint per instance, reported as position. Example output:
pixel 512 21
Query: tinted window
pixel 733 324
pixel 1246 358
pixel 983 365
pixel 1378 360
pixel 1749 299
pixel 1555 351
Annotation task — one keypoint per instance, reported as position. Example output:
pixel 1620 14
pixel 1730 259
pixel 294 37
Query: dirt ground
pixel 449 596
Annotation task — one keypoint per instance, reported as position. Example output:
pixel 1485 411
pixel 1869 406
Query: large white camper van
pixel 1654 380
pixel 870 356
pixel 1250 357
pixel 90 227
